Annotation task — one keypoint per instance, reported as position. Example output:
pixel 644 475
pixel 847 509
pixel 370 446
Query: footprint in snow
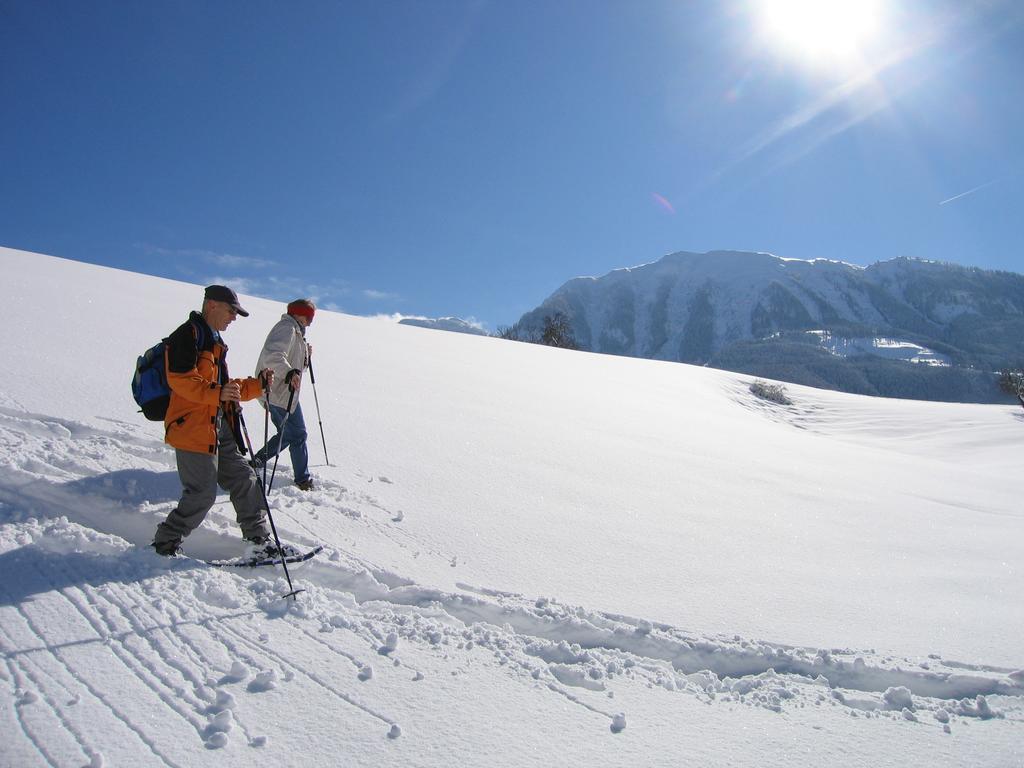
pixel 390 644
pixel 618 723
pixel 224 701
pixel 264 681
pixel 28 697
pixel 238 673
pixel 222 722
pixel 571 674
pixel 217 741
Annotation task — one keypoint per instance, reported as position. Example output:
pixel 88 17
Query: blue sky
pixel 467 157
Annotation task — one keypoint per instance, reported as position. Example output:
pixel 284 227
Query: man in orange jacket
pixel 202 426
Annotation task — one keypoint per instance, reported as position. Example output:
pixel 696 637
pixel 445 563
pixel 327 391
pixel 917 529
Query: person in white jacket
pixel 286 353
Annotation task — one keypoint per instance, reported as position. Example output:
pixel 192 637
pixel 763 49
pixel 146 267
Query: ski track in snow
pixel 142 639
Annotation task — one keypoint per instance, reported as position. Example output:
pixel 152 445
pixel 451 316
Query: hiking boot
pixel 264 548
pixel 305 485
pixel 167 548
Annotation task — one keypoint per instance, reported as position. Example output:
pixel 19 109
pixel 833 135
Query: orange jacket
pixel 196 370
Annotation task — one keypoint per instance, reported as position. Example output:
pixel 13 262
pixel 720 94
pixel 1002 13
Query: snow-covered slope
pixel 533 557
pixel 895 349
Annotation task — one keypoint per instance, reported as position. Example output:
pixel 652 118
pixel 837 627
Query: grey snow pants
pixel 200 474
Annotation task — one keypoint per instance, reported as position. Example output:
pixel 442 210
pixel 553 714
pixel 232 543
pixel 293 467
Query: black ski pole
pixel 266 423
pixel 280 437
pixel 292 591
pixel 312 378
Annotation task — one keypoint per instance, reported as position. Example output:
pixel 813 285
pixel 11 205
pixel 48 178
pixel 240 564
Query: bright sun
pixel 820 30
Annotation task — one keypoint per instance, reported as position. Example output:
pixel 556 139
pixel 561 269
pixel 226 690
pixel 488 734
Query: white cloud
pixel 240 284
pixel 373 295
pixel 224 260
pixel 394 317
pixel 326 295
pixel 239 262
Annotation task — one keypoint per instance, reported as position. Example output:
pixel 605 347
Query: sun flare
pixel 820 30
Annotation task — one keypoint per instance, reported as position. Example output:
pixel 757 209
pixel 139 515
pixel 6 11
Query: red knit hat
pixel 303 307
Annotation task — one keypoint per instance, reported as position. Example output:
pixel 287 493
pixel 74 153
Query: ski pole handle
pixel 266 377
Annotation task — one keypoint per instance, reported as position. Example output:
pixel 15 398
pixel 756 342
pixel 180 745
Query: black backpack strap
pixel 197 331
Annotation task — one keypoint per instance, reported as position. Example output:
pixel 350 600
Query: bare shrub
pixel 776 393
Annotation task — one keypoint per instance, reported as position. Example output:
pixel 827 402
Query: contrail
pixel 969 192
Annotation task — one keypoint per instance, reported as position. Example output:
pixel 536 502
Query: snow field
pixel 532 557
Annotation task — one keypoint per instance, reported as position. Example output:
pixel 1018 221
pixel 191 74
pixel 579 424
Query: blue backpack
pixel 149 384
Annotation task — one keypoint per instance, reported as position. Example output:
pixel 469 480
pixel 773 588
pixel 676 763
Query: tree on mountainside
pixel 516 332
pixel 557 332
pixel 1011 381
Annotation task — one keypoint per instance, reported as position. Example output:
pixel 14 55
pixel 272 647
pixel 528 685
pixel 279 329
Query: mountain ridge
pixel 751 311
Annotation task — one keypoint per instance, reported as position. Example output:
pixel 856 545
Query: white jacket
pixel 284 350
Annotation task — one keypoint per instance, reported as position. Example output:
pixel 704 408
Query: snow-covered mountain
pixel 751 312
pixel 454 324
pixel 534 557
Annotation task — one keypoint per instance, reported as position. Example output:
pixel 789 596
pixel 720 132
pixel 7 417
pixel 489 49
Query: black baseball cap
pixel 225 294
